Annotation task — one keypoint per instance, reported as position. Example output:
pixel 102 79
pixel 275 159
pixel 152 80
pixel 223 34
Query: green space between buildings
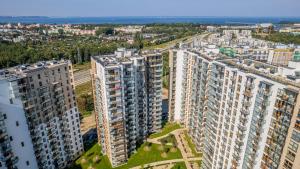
pixel 81 66
pixel 192 145
pixel 147 153
pixel 84 98
pixel 180 165
pixel 169 127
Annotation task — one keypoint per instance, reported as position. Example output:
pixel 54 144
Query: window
pixel 39 76
pixel 291 156
pixel 287 164
pixel 4 116
pixel 17 123
pixel 296 136
pixel 22 144
pixel 293 146
pixel 10 138
pixel 27 163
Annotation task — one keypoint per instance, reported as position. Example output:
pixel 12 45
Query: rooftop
pixel 22 70
pixel 256 69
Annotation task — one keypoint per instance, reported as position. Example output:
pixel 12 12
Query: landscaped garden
pixel 147 153
pixel 169 127
pixel 192 145
pixel 180 165
pixel 169 140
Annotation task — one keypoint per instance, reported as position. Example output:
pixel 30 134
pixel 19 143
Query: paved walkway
pixel 81 77
pixel 187 155
pixel 158 163
pixel 156 140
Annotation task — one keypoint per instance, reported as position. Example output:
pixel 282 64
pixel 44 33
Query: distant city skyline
pixel 94 8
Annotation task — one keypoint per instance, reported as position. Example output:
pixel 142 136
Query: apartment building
pixel 40 125
pixel 239 113
pixel 280 57
pixel 127 90
pixel 260 54
pixel 189 71
pixel 245 128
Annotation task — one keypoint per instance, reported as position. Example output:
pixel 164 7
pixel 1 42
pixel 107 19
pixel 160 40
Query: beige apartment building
pixel 280 57
pixel 39 116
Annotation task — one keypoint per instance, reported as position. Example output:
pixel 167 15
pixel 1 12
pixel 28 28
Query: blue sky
pixel 150 7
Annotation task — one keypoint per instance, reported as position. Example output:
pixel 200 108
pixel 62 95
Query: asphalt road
pixel 81 77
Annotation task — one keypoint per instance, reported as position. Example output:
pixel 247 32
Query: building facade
pixel 40 119
pixel 127 90
pixel 238 115
pixel 280 57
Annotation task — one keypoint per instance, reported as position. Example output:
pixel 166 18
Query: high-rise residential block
pixel 127 90
pixel 280 57
pixel 40 125
pixel 239 113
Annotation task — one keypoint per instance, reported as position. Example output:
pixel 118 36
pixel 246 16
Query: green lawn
pixel 139 158
pixel 84 98
pixel 145 157
pixel 169 127
pixel 83 88
pixel 83 66
pixel 170 139
pixel 192 145
pixel 180 165
pixel 89 156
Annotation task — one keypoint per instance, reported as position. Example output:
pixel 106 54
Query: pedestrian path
pixel 187 155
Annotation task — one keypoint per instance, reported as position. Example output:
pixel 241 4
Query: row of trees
pixel 79 48
pixel 12 54
pixel 285 38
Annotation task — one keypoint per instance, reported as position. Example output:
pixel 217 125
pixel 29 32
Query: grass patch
pixel 84 98
pixel 170 139
pixel 141 157
pixel 180 165
pixel 84 88
pixel 192 145
pixel 169 127
pixel 145 157
pixel 82 66
pixel 88 159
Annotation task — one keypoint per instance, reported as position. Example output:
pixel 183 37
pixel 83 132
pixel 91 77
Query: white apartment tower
pixel 127 90
pixel 240 113
pixel 40 125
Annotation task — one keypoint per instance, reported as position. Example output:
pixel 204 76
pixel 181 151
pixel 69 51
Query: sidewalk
pixel 187 155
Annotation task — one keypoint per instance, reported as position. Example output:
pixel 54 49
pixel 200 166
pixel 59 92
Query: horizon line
pixel 156 16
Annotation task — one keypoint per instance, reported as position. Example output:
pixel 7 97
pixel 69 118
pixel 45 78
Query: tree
pixel 138 41
pixel 106 31
pixel 60 31
pixel 109 31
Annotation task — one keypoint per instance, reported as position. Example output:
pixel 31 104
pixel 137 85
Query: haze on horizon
pixel 98 8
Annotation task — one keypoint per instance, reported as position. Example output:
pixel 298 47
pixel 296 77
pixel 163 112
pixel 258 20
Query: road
pixel 189 40
pixel 81 77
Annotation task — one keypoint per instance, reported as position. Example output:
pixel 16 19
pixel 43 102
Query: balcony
pixel 248 93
